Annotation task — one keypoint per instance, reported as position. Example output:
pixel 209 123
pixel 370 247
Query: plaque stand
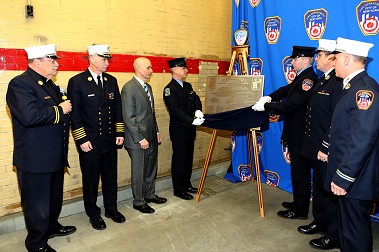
pixel 242 52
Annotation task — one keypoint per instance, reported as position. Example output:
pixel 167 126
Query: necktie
pixel 99 83
pixel 148 94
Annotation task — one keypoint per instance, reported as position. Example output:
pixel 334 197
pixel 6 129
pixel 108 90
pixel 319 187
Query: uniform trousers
pixel 95 166
pixel 301 180
pixel 144 172
pixel 41 200
pixel 181 165
pixel 324 205
pixel 354 225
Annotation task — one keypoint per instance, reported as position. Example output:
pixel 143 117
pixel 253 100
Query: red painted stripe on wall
pixel 16 60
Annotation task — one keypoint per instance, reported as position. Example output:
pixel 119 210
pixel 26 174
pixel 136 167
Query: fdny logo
pixel 237 2
pixel 307 84
pixel 236 69
pixel 256 65
pixel 274 118
pixel 368 17
pixel 315 23
pixel 259 141
pixel 364 99
pixel 288 70
pixel 234 140
pixel 286 154
pixel 254 3
pixel 272 178
pixel 244 172
pixel 272 27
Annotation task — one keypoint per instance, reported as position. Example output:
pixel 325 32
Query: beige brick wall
pixel 195 29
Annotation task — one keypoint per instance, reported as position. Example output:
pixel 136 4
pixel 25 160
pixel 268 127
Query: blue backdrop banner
pixel 274 26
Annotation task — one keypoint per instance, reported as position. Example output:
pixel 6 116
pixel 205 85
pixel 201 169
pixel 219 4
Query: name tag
pixel 322 93
pixel 90 95
pixel 47 97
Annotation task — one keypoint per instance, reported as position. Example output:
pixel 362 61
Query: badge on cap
pixel 364 99
pixel 307 84
pixel 167 92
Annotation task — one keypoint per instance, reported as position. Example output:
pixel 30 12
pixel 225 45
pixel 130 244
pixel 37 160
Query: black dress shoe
pixel 288 205
pixel 63 231
pixel 185 196
pixel 116 217
pixel 312 228
pixel 192 189
pixel 145 208
pixel 47 248
pixel 291 214
pixel 156 200
pixel 324 243
pixel 97 223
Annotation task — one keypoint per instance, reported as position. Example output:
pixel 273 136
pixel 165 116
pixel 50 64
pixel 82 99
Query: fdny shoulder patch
pixel 167 92
pixel 307 84
pixel 364 99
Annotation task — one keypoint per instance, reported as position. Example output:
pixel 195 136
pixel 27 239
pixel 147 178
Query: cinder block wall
pixel 197 29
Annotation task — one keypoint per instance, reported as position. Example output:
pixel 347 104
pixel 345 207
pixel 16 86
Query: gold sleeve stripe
pixel 57 117
pixel 79 133
pixel 120 127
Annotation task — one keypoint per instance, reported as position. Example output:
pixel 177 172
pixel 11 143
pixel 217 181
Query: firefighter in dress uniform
pixel 98 130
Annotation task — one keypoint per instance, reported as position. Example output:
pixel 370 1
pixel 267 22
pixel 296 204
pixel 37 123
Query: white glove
pixel 259 106
pixel 199 114
pixel 198 121
pixel 264 99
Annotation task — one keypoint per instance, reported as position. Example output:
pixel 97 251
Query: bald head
pixel 142 68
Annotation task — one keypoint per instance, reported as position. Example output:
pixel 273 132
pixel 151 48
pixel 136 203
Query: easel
pixel 241 52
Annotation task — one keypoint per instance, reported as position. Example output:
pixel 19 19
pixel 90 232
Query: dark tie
pixel 99 83
pixel 148 94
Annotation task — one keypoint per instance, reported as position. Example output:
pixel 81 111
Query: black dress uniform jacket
pixel 319 115
pixel 297 95
pixel 40 127
pixel 354 143
pixel 99 117
pixel 182 104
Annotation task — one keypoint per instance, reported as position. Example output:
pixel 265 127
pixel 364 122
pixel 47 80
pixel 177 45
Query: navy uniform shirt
pixel 40 128
pixel 96 116
pixel 319 114
pixel 353 162
pixel 297 95
pixel 182 102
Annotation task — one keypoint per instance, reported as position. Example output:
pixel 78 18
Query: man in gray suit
pixel 141 135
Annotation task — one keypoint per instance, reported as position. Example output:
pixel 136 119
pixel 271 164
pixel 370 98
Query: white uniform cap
pixel 353 47
pixel 36 52
pixel 326 45
pixel 101 50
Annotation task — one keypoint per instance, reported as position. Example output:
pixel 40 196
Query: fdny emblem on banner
pixel 272 178
pixel 244 172
pixel 315 23
pixel 256 65
pixel 364 99
pixel 368 17
pixel 274 118
pixel 288 70
pixel 259 141
pixel 286 154
pixel 272 28
pixel 254 3
pixel 237 2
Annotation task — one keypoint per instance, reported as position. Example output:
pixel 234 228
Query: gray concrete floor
pixel 225 219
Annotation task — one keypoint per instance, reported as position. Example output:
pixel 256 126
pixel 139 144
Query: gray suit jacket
pixel 139 117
